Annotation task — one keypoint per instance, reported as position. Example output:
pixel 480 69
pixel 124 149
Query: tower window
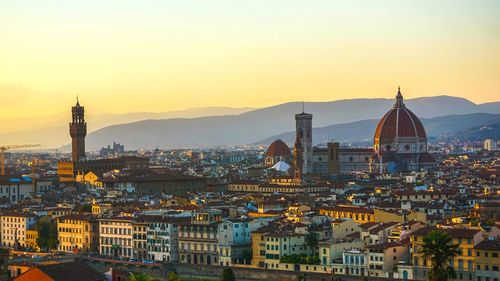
pixel 387 147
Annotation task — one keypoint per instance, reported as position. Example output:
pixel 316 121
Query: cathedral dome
pixel 399 126
pixel 278 148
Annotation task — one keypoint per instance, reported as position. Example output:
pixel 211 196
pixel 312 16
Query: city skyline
pixel 187 54
pixel 230 140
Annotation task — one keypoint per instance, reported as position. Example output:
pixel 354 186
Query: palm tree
pixel 438 247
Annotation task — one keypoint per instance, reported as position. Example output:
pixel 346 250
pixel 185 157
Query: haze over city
pixel 235 140
pixel 158 56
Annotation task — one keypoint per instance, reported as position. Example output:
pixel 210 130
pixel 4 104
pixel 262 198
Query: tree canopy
pixel 47 233
pixel 228 275
pixel 438 247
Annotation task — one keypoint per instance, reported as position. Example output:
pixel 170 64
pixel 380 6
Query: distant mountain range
pixel 480 133
pixel 363 131
pixel 353 119
pixel 52 131
pixel 258 125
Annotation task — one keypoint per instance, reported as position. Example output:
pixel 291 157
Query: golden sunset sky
pixel 135 56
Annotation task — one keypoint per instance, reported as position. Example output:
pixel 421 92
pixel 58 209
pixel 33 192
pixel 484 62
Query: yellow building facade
pixel 357 214
pixel 31 237
pixel 464 264
pixel 77 233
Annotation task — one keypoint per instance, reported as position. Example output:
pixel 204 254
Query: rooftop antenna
pixel 303 107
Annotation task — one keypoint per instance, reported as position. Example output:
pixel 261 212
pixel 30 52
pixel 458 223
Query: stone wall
pixel 212 272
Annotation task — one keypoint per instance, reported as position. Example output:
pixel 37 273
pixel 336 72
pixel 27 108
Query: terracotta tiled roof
pixel 399 122
pixel 491 245
pixel 75 271
pixel 278 148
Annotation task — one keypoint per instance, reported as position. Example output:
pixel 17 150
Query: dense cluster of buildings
pixel 325 209
pixel 399 145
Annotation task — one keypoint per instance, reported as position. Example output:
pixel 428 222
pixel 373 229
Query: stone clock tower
pixel 78 131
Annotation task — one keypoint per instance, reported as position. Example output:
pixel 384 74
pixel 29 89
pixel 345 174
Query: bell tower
pixel 297 159
pixel 303 125
pixel 78 131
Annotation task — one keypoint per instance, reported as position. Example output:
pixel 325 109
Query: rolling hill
pixel 244 126
pixel 362 131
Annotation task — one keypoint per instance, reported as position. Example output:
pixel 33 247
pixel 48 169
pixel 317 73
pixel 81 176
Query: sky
pixel 155 56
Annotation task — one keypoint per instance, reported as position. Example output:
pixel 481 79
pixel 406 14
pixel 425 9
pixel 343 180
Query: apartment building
pixel 115 236
pixel 78 233
pixel 14 228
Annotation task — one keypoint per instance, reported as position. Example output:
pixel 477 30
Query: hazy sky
pixel 123 56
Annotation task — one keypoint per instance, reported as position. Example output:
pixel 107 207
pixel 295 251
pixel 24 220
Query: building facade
pixel 162 241
pixel 78 233
pixel 198 239
pixel 14 228
pixel 115 237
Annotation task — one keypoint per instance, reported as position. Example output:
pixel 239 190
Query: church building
pixel 400 142
pixel 399 145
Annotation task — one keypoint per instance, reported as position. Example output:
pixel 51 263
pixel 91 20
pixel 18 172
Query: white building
pixel 490 145
pixel 355 262
pixel 234 239
pixel 115 237
pixel 383 258
pixel 16 188
pixel 13 228
pixel 162 243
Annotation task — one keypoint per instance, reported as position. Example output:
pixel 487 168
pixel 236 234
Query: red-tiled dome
pixel 399 122
pixel 278 148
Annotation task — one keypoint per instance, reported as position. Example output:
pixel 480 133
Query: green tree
pixel 173 277
pixel 438 247
pixel 247 255
pixel 140 277
pixel 47 233
pixel 312 241
pixel 85 208
pixel 228 275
